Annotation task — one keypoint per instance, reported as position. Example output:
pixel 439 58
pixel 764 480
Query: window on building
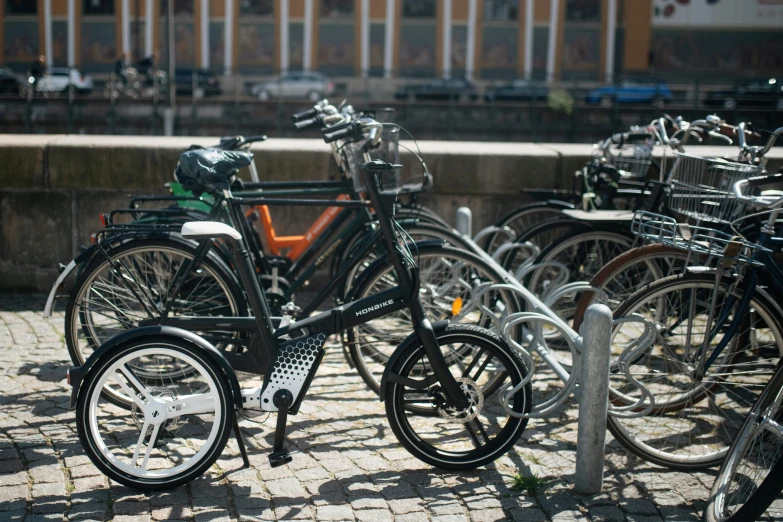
pixel 418 9
pixel 98 7
pixel 181 7
pixel 257 7
pixel 336 8
pixel 583 10
pixel 21 7
pixel 501 10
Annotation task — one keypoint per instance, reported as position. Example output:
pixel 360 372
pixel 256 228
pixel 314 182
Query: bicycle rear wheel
pixel 750 478
pixel 174 430
pixel 694 419
pixel 135 284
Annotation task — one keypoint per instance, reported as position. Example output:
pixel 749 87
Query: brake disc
pixel 471 411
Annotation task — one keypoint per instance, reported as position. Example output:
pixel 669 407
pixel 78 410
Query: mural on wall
pixel 581 49
pixel 98 45
pixel 256 41
pixel 336 47
pixel 459 48
pixel 295 45
pixel 377 46
pixel 216 49
pixel 184 43
pixel 499 47
pixel 59 43
pixel 20 42
pixel 540 50
pixel 417 49
pixel 718 13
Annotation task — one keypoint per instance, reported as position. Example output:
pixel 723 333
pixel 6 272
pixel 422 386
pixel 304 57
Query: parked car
pixel 518 90
pixel 206 81
pixel 440 89
pixel 655 92
pixel 753 93
pixel 309 85
pixel 10 82
pixel 58 79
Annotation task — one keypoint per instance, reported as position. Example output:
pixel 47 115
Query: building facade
pixel 584 40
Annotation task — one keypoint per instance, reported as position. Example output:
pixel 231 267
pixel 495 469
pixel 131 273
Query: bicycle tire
pixel 416 432
pixel 748 439
pixel 622 263
pixel 521 219
pixel 691 406
pixel 541 235
pixel 77 320
pixel 99 450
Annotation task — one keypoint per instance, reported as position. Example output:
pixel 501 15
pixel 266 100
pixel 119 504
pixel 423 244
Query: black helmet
pixel 209 170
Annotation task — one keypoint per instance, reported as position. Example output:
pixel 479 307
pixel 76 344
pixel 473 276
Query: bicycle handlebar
pixel 341 134
pixel 306 124
pixel 305 115
pixel 758 181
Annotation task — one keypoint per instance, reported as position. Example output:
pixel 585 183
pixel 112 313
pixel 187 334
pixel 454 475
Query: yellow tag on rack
pixel 456 306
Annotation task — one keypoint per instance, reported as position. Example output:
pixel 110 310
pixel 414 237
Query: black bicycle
pixel 447 388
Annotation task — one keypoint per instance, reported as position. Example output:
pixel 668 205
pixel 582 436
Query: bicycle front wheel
pixel 694 419
pixel 442 435
pixel 750 478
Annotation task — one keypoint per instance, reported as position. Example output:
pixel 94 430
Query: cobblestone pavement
pixel 348 465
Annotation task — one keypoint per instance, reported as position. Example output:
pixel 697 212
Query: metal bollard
pixel 465 221
pixel 593 399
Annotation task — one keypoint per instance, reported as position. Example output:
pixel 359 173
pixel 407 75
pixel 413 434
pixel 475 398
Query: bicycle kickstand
pixel 241 443
pixel 279 456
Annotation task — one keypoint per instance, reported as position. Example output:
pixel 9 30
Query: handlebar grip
pixel 304 115
pixel 339 126
pixel 304 124
pixel 256 138
pixel 342 134
pixel 760 181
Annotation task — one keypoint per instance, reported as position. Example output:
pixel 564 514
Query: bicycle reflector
pixel 456 306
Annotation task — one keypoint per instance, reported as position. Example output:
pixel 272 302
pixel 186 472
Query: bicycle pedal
pixel 279 458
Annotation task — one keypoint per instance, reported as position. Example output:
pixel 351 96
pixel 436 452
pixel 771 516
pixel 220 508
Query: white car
pixel 306 85
pixel 58 79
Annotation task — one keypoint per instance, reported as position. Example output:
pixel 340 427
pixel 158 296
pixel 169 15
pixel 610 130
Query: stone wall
pixel 52 187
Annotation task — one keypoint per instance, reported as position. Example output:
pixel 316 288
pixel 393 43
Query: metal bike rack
pixel 591 372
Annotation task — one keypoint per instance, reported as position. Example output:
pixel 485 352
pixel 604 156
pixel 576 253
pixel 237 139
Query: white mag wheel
pixel 173 431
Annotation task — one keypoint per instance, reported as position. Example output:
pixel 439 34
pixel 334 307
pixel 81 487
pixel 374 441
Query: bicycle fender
pixel 437 326
pixel 560 203
pixel 79 262
pixel 76 374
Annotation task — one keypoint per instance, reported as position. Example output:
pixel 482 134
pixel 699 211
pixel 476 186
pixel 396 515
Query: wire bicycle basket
pixel 388 151
pixel 631 159
pixel 656 228
pixel 702 188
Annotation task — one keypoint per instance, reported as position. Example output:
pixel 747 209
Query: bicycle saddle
pixel 209 170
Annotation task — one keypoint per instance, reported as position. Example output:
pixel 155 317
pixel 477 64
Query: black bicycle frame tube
pixel 384 209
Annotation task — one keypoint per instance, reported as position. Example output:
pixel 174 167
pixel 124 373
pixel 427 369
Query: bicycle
pixel 91 317
pixel 719 341
pixel 207 387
